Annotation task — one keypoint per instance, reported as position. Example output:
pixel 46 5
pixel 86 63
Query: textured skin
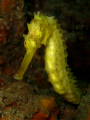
pixel 45 30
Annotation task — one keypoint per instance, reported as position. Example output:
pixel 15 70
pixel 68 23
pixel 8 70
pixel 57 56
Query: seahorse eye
pixel 24 43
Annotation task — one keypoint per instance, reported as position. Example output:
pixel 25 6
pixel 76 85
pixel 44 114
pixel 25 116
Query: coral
pixel 45 30
pixel 4 30
pixel 48 104
pixel 88 114
pixel 11 15
pixel 83 111
pixel 18 102
pixel 12 27
pixel 7 5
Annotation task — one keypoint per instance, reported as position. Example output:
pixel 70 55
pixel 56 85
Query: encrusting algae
pixel 45 30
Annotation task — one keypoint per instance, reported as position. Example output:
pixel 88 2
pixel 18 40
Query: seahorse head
pixel 38 32
pixel 35 34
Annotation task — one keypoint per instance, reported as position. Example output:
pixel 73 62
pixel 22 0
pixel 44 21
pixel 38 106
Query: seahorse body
pixel 45 30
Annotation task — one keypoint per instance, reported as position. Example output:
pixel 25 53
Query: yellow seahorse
pixel 45 30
